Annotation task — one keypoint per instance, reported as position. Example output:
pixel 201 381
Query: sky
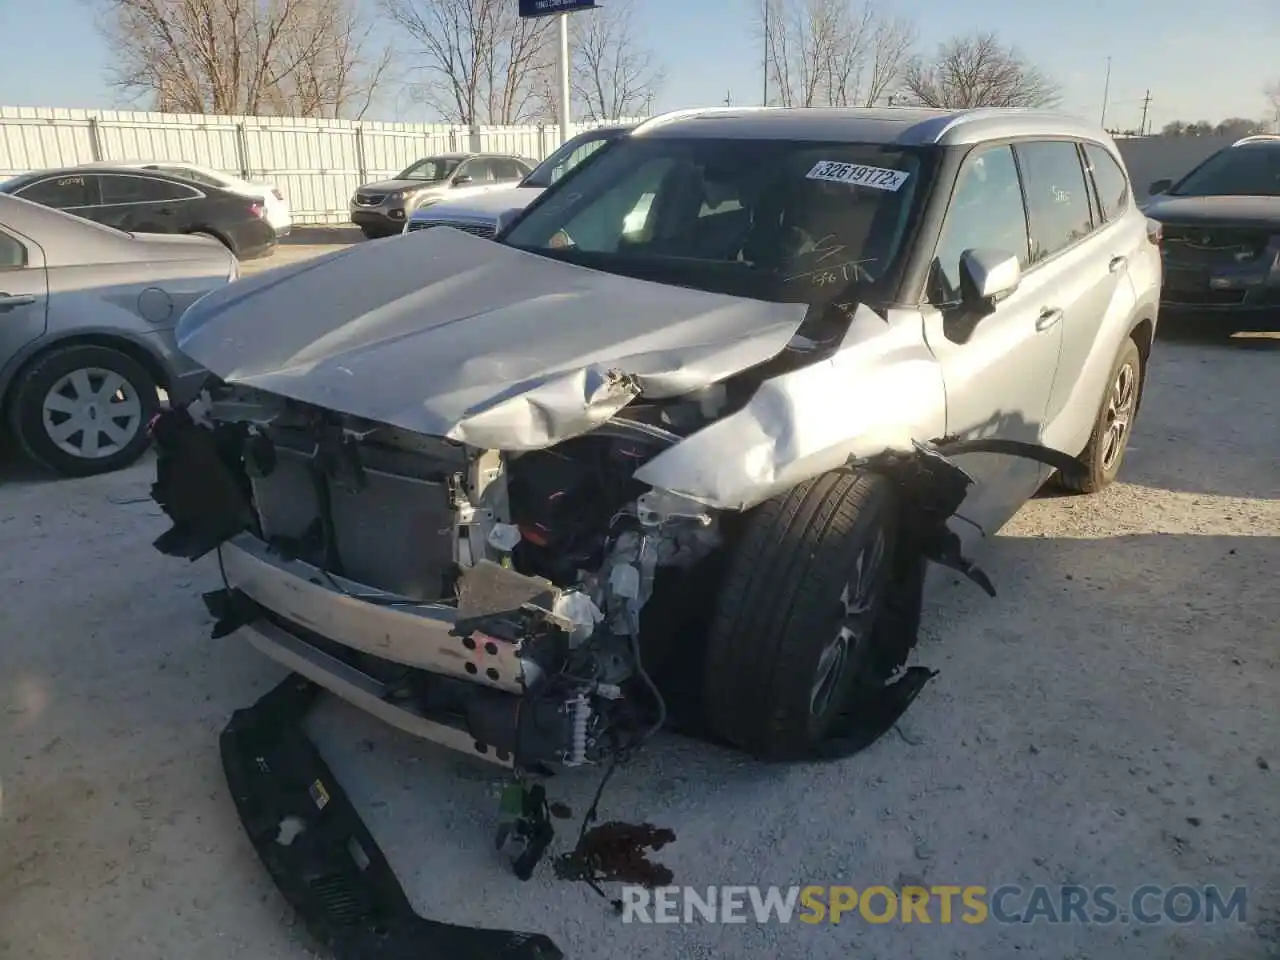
pixel 1199 60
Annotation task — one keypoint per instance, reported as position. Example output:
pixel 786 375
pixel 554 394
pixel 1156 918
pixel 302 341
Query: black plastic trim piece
pixel 323 858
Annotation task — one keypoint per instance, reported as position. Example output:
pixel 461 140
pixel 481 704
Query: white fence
pixel 316 163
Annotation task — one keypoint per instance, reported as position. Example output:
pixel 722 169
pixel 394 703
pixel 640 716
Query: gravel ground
pixel 1109 719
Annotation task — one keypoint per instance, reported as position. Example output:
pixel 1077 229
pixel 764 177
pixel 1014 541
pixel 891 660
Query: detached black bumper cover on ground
pixel 321 855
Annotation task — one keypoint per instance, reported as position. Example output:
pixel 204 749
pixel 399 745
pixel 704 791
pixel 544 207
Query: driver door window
pixel 480 171
pixel 986 210
pixel 506 170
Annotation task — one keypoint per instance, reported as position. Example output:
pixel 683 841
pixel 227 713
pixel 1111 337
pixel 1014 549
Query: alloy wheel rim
pixel 92 413
pixel 845 648
pixel 1119 415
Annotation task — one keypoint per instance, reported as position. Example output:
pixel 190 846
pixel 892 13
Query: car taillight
pixel 1155 231
pixel 255 209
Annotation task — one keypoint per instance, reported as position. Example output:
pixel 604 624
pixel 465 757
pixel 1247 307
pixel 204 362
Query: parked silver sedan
pixel 87 315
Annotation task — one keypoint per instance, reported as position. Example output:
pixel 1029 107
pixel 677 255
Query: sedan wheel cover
pixel 92 413
pixel 856 622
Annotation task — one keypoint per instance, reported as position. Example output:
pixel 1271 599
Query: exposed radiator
pixel 396 533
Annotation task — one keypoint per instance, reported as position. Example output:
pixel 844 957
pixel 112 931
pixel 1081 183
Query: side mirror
pixel 462 180
pixel 1160 186
pixel 988 276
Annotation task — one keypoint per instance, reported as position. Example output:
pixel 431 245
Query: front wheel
pixel 84 409
pixel 792 637
pixel 1109 440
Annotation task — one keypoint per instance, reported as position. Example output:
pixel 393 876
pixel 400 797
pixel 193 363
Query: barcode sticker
pixel 858 175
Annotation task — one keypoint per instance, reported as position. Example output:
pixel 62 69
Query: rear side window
pixel 985 211
pixel 61 193
pixel 12 253
pixel 508 170
pixel 124 189
pixel 1057 199
pixel 1112 184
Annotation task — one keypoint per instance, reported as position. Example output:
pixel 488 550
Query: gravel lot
pixel 1109 719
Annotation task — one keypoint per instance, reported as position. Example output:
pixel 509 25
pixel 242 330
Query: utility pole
pixel 1106 95
pixel 1146 102
pixel 765 101
pixel 728 98
pixel 562 28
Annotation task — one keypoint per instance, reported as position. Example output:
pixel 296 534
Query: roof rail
pixel 1257 138
pixel 672 116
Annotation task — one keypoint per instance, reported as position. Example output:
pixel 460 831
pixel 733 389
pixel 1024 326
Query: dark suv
pixel 1221 225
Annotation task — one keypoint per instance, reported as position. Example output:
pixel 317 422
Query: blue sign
pixel 546 8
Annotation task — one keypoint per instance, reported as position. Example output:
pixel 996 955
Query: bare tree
pixel 611 76
pixel 311 58
pixel 480 61
pixel 891 45
pixel 833 52
pixel 1272 93
pixel 978 71
pixel 1238 127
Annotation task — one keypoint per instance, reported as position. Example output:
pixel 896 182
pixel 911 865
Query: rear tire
pixel 83 410
pixel 1104 453
pixel 795 616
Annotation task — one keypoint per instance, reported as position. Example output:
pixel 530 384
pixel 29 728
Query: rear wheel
pixel 213 236
pixel 792 637
pixel 84 409
pixel 1107 444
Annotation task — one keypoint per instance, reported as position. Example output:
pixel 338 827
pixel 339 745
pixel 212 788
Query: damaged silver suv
pixel 676 449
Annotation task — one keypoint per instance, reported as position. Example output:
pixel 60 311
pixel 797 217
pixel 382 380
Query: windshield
pixel 431 169
pixel 769 219
pixel 566 157
pixel 1249 171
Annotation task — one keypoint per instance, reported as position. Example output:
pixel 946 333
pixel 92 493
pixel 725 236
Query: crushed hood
pixel 442 333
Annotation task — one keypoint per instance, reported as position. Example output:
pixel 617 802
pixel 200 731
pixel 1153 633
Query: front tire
pixel 795 616
pixel 83 410
pixel 1105 451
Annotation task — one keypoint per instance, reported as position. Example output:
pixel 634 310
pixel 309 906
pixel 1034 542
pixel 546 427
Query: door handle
pixel 1117 263
pixel 1048 317
pixel 10 300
